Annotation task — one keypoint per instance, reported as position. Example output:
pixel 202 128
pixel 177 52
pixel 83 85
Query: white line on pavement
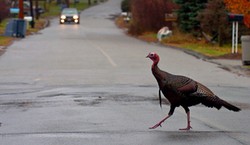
pixel 111 61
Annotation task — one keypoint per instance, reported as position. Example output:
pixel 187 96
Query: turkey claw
pixel 187 128
pixel 154 127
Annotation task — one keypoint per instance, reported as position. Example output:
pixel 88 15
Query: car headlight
pixel 75 17
pixel 63 17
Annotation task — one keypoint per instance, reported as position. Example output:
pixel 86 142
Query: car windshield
pixel 69 11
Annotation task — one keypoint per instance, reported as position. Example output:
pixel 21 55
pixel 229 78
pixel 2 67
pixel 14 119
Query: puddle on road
pixel 62 96
pixel 82 99
pixel 17 104
pixel 83 102
pixel 98 97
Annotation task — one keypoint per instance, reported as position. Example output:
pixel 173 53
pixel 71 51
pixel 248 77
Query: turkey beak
pixel 147 56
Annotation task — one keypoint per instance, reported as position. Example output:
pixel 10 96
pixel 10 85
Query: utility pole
pixel 67 3
pixel 20 5
pixel 32 22
pixel 36 10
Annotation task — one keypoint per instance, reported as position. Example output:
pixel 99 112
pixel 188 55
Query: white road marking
pixel 111 61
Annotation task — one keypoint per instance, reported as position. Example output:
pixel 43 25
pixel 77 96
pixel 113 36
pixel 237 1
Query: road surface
pixel 91 84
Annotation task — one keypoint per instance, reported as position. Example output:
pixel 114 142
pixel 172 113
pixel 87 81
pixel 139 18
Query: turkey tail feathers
pixel 160 97
pixel 230 106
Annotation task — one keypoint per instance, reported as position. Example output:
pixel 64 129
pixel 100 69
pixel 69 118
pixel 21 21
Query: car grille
pixel 69 18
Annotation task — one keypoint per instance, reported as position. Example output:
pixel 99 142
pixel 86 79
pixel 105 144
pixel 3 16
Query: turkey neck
pixel 159 75
pixel 155 69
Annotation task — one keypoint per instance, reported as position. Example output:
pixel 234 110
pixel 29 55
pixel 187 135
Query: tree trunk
pixel 36 10
pixel 32 22
pixel 67 3
pixel 20 5
pixel 220 37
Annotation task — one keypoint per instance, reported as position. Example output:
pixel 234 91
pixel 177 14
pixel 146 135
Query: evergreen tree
pixel 188 12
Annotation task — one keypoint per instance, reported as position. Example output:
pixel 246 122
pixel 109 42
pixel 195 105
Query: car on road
pixel 69 15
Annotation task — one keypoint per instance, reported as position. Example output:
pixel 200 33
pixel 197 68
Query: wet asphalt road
pixel 91 84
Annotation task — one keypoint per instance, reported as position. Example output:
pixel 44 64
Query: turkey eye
pixel 151 55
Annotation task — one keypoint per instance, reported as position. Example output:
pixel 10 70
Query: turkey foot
pixel 187 128
pixel 159 124
pixel 188 122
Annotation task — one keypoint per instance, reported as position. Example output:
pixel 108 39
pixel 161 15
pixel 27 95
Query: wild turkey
pixel 183 91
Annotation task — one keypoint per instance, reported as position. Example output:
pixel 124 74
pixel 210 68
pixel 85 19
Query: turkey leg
pixel 159 124
pixel 171 112
pixel 188 122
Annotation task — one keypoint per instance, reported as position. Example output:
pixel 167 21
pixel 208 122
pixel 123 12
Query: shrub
pixel 4 10
pixel 213 20
pixel 148 15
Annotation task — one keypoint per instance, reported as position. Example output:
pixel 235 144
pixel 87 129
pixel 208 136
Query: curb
pixel 236 69
pixel 47 23
pixel 3 49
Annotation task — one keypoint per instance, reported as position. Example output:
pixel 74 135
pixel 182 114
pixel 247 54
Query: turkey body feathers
pixel 181 90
